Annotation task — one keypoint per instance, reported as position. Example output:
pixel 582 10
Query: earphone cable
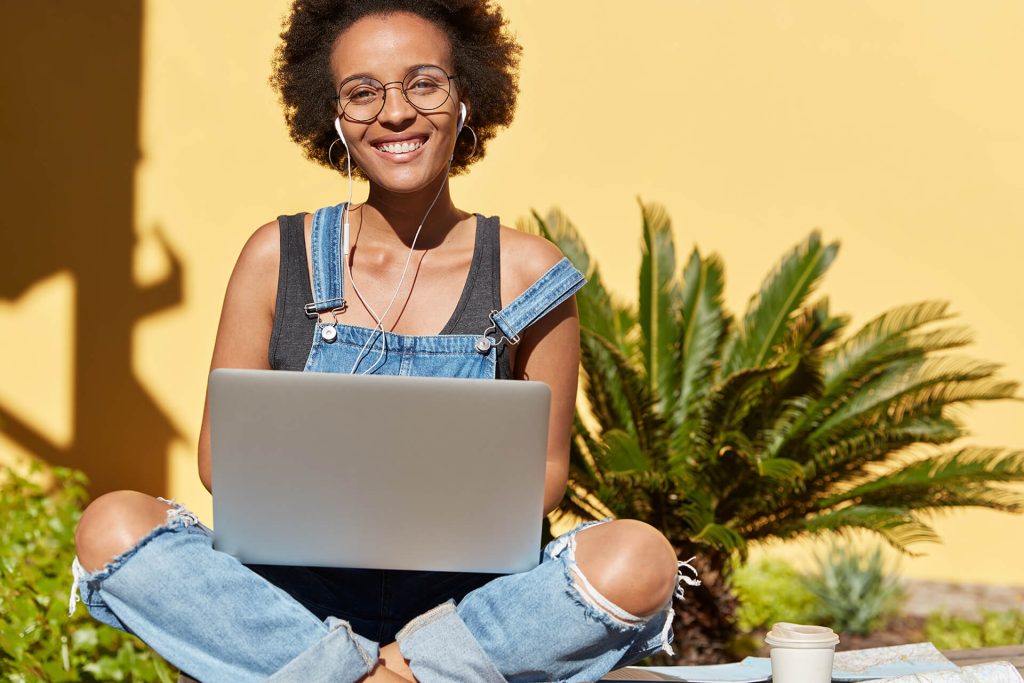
pixel 394 297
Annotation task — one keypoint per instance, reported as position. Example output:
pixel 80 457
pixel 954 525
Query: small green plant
pixel 856 594
pixel 38 641
pixel 770 591
pixel 993 629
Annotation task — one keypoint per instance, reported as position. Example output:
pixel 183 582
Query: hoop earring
pixel 330 157
pixel 472 132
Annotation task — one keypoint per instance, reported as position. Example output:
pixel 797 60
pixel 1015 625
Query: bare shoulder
pixel 262 251
pixel 524 258
pixel 253 285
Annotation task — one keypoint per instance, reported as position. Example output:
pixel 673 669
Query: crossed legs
pixel 626 562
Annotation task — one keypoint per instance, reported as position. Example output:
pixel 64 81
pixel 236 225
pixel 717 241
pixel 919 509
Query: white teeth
pixel 400 147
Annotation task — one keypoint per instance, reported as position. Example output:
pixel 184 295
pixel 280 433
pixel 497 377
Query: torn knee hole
pixel 178 511
pixel 593 597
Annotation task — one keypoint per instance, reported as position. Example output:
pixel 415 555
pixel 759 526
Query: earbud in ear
pixel 337 127
pixel 461 121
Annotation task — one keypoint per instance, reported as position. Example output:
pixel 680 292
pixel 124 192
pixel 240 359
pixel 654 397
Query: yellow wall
pixel 894 127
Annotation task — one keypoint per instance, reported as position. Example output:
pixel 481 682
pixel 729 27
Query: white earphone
pixel 337 127
pixel 459 123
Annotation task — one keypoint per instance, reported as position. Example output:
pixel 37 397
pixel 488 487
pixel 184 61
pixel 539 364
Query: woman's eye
pixel 423 85
pixel 362 95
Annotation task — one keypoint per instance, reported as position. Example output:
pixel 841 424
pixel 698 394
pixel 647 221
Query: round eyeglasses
pixel 361 98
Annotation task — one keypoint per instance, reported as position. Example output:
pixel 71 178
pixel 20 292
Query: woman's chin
pixel 404 180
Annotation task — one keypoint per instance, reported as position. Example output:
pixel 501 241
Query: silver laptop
pixel 330 470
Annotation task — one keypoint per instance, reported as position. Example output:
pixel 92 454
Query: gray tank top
pixel 292 334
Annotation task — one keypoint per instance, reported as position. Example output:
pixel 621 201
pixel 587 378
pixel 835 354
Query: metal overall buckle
pixel 485 342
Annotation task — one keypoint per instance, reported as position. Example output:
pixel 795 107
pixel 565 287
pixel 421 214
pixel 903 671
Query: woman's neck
pixel 390 217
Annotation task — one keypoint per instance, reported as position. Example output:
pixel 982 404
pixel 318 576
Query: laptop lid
pixel 323 469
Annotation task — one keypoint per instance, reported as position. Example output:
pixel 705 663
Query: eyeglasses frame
pixel 384 88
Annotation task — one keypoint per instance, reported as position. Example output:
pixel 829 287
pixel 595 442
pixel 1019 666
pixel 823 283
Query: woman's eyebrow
pixel 407 72
pixel 363 76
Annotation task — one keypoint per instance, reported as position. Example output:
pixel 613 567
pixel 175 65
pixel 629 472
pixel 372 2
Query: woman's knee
pixel 113 523
pixel 630 563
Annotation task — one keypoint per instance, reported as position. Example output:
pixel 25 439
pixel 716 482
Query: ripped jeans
pixel 216 620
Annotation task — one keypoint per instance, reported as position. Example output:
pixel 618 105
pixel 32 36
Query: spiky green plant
pixel 857 593
pixel 722 432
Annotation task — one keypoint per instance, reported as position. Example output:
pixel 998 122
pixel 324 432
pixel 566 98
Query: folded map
pixel 855 665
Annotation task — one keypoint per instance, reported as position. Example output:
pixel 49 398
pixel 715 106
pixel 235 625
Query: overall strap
pixel 328 269
pixel 551 289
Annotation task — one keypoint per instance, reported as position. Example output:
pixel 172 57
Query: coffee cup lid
pixel 800 635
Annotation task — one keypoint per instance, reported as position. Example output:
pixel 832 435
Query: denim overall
pixel 212 617
pixel 337 347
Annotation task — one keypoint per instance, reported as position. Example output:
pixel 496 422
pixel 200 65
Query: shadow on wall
pixel 69 83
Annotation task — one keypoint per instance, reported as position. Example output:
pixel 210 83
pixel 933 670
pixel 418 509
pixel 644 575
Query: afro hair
pixel 485 55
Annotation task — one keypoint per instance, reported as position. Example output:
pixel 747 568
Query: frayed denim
pixel 211 617
pixel 215 619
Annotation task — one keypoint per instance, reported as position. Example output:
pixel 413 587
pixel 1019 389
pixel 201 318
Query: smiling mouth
pixel 402 147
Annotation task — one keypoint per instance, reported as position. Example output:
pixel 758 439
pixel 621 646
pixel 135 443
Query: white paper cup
pixel 801 653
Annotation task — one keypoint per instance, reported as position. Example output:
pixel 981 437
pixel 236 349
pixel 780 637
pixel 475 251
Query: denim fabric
pixel 551 624
pixel 221 621
pixel 210 616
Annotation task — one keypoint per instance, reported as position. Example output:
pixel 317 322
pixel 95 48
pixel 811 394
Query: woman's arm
pixel 549 352
pixel 246 319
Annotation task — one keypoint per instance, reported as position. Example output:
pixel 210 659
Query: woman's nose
pixel 396 108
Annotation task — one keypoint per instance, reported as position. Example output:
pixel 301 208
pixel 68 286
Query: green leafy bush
pixel 995 628
pixel 770 591
pixel 856 594
pixel 38 641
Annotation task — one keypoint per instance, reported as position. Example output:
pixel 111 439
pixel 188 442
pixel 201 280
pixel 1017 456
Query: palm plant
pixel 722 432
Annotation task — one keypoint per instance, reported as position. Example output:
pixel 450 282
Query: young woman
pixel 408 92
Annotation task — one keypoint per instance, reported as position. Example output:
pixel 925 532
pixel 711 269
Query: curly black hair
pixel 485 55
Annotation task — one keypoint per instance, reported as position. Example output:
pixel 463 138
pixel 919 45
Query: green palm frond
pixel 557 228
pixel 646 423
pixel 724 408
pixel 789 412
pixel 942 339
pixel 899 527
pixel 908 386
pixel 844 459
pixel 959 479
pixel 582 455
pixel 723 538
pixel 769 313
pixel 582 502
pixel 598 310
pixel 879 342
pixel 703 328
pixel 696 510
pixel 601 383
pixel 620 453
pixel 782 470
pixel 659 306
pixel 813 328
pixel 887 345
pixel 845 465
